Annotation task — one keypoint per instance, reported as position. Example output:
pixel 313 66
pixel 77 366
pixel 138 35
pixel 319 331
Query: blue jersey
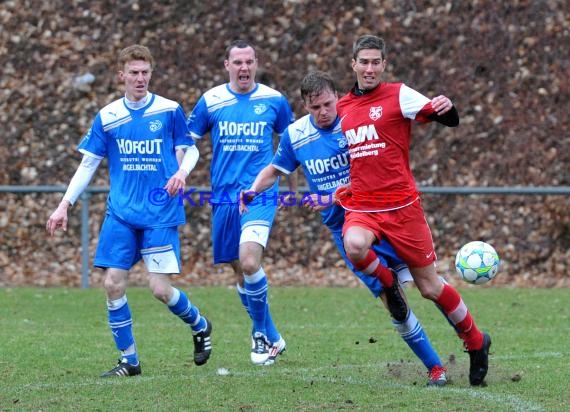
pixel 241 127
pixel 140 147
pixel 323 155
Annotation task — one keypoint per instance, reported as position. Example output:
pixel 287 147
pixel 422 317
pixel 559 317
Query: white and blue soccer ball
pixel 477 262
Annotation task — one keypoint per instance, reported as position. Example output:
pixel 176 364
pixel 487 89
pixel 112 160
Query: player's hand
pixel 441 104
pixel 245 198
pixel 176 182
pixel 285 200
pixel 342 194
pixel 58 219
pixel 318 202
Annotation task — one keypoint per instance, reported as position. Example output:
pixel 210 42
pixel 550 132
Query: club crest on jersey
pixel 342 142
pixel 375 113
pixel 259 108
pixel 155 126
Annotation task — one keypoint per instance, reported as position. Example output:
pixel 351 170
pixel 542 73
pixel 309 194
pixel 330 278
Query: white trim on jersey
pixel 411 102
pixel 218 98
pixel 281 169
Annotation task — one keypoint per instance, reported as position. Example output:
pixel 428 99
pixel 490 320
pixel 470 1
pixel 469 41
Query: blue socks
pixel 243 297
pixel 121 324
pixel 414 335
pixel 254 298
pixel 181 306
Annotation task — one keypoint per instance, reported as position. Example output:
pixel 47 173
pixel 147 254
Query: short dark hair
pixel 239 44
pixel 315 83
pixel 369 41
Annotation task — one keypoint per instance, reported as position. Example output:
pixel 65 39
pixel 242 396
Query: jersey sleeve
pixel 285 116
pixel 284 159
pixel 94 143
pixel 414 105
pixel 198 120
pixel 181 134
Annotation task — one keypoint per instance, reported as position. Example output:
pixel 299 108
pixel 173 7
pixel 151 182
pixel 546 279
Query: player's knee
pixel 430 290
pixel 161 293
pixel 356 248
pixel 114 288
pixel 250 264
pixel 428 294
pixel 160 289
pixel 250 256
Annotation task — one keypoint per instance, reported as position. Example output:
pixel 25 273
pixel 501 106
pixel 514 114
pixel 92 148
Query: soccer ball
pixel 477 262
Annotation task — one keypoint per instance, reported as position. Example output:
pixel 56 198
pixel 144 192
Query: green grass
pixel 343 354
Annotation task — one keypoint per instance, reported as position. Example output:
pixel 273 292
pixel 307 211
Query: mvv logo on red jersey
pixel 355 136
pixel 375 113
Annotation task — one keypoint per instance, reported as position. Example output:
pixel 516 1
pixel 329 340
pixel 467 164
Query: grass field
pixel 343 354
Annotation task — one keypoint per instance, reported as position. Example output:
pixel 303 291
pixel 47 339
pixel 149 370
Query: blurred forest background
pixel 504 64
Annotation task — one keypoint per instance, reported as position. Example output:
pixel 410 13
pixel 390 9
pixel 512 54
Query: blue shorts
pixel 228 225
pixel 387 255
pixel 121 247
pixel 383 250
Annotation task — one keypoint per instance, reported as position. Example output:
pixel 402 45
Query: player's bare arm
pixel 292 183
pixel 264 179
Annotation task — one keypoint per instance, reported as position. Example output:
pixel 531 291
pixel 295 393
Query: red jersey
pixel 377 127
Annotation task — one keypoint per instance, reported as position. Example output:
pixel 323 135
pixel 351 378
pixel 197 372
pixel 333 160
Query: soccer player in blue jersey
pixel 141 136
pixel 316 143
pixel 243 117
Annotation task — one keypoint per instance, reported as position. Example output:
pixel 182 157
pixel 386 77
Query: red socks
pixel 371 266
pixel 457 313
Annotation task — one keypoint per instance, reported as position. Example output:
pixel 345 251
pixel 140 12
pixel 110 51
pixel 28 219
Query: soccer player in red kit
pixel 383 202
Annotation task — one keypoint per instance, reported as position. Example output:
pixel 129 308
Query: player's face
pixel 136 77
pixel 368 66
pixel 241 65
pixel 322 108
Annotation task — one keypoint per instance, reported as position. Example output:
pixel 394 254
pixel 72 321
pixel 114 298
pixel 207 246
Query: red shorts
pixel 406 229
